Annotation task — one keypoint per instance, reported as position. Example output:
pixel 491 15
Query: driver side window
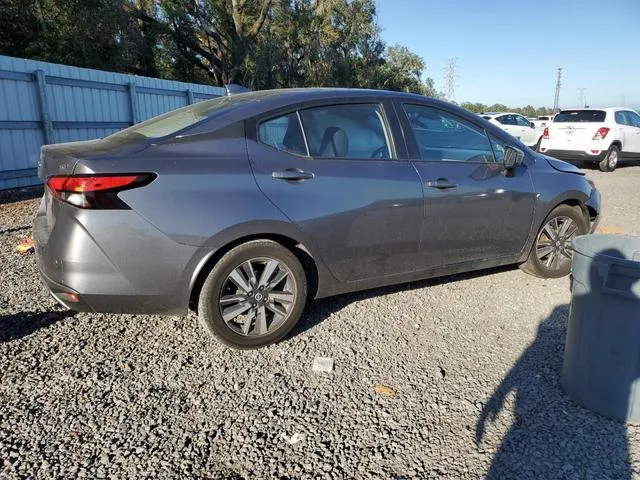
pixel 353 131
pixel 445 137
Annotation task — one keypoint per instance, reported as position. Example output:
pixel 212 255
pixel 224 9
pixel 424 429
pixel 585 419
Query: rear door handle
pixel 292 174
pixel 441 184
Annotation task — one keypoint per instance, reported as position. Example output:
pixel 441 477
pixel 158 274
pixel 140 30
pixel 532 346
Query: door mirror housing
pixel 532 125
pixel 512 157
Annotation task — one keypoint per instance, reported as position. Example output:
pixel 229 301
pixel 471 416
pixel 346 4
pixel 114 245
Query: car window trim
pixel 417 157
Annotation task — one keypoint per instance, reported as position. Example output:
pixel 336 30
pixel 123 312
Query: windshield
pixel 177 120
pixel 580 116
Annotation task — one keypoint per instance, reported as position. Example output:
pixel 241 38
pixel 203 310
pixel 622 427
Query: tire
pixel 611 159
pixel 544 265
pixel 231 279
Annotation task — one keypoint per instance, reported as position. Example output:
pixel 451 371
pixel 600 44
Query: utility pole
pixel 450 78
pixel 556 101
pixel 582 96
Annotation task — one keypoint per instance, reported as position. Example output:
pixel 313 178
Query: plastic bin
pixel 601 368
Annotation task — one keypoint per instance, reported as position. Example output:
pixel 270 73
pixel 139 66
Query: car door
pixel 527 134
pixel 333 170
pixel 475 209
pixel 509 124
pixel 634 133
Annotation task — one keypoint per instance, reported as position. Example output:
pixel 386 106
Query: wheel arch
pixel 310 263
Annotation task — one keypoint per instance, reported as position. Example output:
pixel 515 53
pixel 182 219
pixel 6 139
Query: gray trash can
pixel 601 368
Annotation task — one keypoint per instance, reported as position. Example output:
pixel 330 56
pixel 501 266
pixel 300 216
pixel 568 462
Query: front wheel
pixel 611 159
pixel 254 295
pixel 551 253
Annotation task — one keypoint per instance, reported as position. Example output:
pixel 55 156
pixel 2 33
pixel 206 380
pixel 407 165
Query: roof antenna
pixel 233 88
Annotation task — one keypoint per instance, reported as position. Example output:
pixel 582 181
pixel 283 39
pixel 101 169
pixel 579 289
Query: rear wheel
pixel 551 253
pixel 254 295
pixel 610 161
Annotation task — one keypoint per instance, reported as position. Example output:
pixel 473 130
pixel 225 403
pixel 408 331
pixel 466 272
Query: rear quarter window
pixel 577 116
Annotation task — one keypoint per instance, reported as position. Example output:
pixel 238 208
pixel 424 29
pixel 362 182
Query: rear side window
pixel 621 118
pixel 567 116
pixel 346 131
pixel 445 137
pixel 283 133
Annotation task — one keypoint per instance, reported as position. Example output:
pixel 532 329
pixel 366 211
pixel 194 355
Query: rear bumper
pixel 575 155
pixel 110 261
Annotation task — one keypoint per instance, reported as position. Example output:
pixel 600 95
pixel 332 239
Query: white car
pixel 517 125
pixel 603 135
pixel 542 121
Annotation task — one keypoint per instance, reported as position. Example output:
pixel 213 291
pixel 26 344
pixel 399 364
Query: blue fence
pixel 44 103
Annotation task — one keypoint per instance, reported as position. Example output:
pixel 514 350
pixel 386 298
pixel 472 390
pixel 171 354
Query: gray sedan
pixel 244 207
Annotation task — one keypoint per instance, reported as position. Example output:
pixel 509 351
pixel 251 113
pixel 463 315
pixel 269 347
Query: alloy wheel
pixel 612 159
pixel 257 297
pixel 553 245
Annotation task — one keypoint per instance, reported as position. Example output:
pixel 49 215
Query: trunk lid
pixel 62 158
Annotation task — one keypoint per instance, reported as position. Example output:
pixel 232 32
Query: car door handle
pixel 441 184
pixel 292 174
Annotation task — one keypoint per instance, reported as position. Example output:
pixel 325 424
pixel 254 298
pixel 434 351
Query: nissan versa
pixel 245 206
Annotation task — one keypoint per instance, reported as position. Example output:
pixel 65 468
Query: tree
pixel 475 107
pixel 402 70
pixel 213 35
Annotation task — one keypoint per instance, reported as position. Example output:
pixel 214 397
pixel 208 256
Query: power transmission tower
pixel 556 101
pixel 450 78
pixel 582 97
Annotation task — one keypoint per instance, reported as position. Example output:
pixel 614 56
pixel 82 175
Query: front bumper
pixel 575 155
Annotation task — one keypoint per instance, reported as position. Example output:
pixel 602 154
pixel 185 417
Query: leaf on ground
pixel 384 390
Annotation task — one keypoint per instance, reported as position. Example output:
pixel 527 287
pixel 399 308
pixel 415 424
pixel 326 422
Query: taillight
pixel 96 191
pixel 545 132
pixel 601 133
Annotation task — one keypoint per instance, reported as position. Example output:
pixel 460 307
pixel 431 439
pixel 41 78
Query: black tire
pixel 540 267
pixel 611 159
pixel 219 281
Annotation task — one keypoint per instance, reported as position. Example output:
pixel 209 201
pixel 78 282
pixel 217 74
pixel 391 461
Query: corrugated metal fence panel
pixel 65 104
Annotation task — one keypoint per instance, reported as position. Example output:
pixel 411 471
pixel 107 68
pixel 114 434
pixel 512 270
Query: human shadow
pixel 319 310
pixel 552 436
pixel 22 324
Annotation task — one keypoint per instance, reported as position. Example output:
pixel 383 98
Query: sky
pixel 509 51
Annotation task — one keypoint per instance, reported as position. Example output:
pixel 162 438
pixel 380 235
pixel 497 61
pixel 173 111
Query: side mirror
pixel 512 157
pixel 532 125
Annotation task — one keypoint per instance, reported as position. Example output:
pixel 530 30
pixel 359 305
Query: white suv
pixel 605 135
pixel 516 125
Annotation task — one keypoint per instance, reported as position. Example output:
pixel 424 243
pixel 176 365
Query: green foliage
pixel 527 111
pixel 260 43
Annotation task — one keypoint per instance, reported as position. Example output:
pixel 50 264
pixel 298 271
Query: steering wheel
pixel 380 152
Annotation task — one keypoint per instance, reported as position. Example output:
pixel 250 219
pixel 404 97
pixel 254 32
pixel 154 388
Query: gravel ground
pixel 473 363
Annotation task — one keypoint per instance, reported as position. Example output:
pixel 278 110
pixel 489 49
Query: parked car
pixel 245 206
pixel 542 121
pixel 605 136
pixel 518 126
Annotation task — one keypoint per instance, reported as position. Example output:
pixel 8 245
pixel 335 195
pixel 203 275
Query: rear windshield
pixel 580 116
pixel 177 120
